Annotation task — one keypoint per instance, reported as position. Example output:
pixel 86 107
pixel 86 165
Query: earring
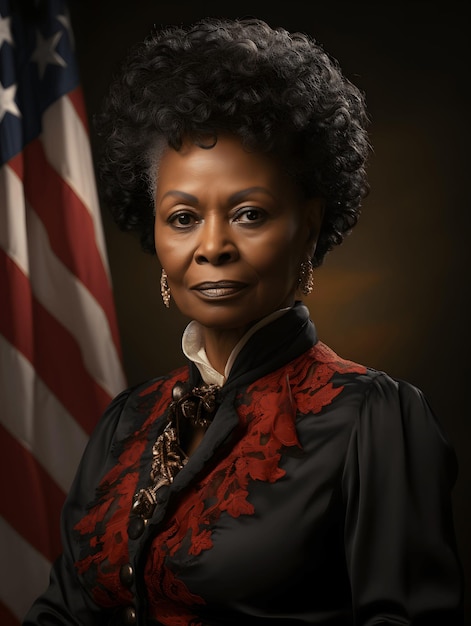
pixel 306 277
pixel 164 288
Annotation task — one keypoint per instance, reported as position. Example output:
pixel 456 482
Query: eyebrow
pixel 180 194
pixel 240 195
pixel 235 197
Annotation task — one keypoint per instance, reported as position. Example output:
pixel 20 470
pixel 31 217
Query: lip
pixel 219 289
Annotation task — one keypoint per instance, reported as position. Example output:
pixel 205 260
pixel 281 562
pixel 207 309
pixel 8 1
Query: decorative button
pixel 129 616
pixel 126 574
pixel 179 390
pixel 136 527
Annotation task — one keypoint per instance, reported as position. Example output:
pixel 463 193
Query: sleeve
pixel 65 603
pixel 401 551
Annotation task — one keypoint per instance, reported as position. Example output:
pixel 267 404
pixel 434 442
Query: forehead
pixel 224 162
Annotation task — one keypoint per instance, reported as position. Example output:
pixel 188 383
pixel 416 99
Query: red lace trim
pixel 267 411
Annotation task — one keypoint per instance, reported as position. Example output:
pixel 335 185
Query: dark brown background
pixel 395 295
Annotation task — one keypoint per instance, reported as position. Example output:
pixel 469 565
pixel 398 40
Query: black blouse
pixel 320 494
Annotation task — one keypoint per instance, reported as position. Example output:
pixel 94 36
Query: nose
pixel 216 244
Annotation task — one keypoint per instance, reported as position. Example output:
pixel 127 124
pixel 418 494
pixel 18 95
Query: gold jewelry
pixel 198 407
pixel 306 277
pixel 164 288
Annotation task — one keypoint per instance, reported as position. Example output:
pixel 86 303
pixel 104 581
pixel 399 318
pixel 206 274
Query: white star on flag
pixel 7 101
pixel 45 53
pixel 65 21
pixel 5 30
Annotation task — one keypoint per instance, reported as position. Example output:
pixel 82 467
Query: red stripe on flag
pixel 69 226
pixel 76 98
pixel 6 616
pixel 31 501
pixel 52 350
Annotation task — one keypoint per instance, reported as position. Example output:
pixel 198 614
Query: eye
pixel 250 215
pixel 182 219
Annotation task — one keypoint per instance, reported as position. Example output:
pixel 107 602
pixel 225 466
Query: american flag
pixel 60 358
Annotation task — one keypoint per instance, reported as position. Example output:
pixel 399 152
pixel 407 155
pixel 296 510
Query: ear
pixel 314 214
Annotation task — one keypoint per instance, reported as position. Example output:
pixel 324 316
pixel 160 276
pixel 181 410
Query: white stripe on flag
pixel 13 219
pixel 42 425
pixel 67 147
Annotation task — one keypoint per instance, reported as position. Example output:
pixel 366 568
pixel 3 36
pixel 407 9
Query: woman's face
pixel 231 231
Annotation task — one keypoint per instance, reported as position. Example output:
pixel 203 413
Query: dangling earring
pixel 164 288
pixel 306 277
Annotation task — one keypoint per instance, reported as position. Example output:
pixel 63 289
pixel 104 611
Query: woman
pixel 269 479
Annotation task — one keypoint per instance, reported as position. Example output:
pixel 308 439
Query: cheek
pixel 170 255
pixel 279 255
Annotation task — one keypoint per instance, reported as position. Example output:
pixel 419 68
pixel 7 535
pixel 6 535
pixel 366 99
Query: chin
pixel 219 318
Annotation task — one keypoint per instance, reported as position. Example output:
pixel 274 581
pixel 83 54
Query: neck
pixel 219 345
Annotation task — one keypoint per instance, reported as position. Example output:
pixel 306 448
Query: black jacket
pixel 320 494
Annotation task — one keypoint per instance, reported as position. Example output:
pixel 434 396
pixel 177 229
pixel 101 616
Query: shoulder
pixel 131 412
pixel 370 399
pixel 131 409
pixel 373 385
pixel 381 419
pixel 320 378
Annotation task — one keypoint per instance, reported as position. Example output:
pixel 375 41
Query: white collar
pixel 193 348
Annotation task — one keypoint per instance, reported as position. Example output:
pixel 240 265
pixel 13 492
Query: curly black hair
pixel 276 90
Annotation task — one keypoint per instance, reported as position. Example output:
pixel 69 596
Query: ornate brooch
pixel 198 406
